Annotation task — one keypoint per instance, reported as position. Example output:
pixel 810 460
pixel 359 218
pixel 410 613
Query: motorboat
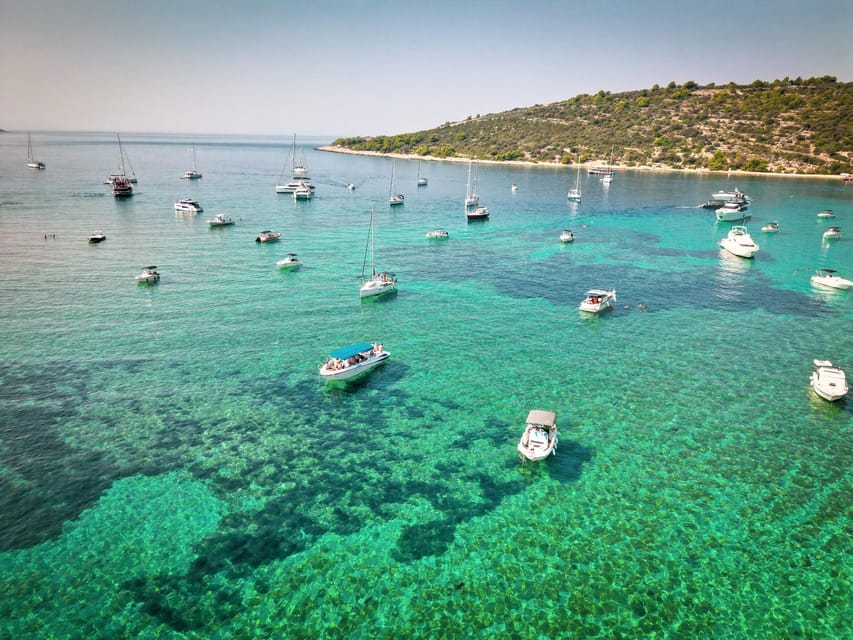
pixel 267 236
pixel 830 278
pixel 194 173
pixel 353 360
pixel 828 381
pixel 713 204
pixel 98 236
pixel 32 163
pixel 438 234
pixel 477 213
pixel 731 195
pixel 597 300
pixel 539 439
pixel 289 262
pixel 732 211
pixel 567 236
pixel 833 233
pixel 122 187
pixel 221 220
pixel 149 275
pixel 770 227
pixel 302 191
pixel 739 242
pixel 350 187
pixel 375 284
pixel 514 187
pixel 188 205
pixel 826 213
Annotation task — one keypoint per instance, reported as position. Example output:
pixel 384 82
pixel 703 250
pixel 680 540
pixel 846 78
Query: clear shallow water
pixel 171 465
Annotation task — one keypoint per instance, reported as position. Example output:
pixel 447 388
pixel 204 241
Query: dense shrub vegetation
pixel 791 126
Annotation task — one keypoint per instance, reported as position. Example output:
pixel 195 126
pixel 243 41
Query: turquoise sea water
pixel 171 466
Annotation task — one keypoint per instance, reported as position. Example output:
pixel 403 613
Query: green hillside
pixel 784 126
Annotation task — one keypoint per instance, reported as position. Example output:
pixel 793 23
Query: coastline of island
pixel 584 165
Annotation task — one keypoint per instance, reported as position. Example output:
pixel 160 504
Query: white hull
pixel 828 382
pixel 539 439
pixel 832 282
pixel 738 242
pixel 376 288
pixel 288 265
pixel 353 370
pixel 726 214
pixel 597 301
pixel 190 175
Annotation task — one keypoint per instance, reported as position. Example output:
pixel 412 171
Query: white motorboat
pixel 731 212
pixel 770 227
pixel 438 234
pixel 394 199
pixel 98 236
pixel 826 213
pixel 188 205
pixel 267 236
pixel 302 191
pixel 221 220
pixel 830 278
pixel 598 300
pixel 514 187
pixel 376 284
pixel 567 236
pixel 149 275
pixel 477 213
pixel 289 262
pixel 539 439
pixel 739 242
pixel 353 360
pixel 833 233
pixel 194 173
pixel 828 381
pixel 32 163
pixel 731 195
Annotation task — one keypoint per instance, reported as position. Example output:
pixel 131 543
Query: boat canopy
pixel 350 350
pixel 545 418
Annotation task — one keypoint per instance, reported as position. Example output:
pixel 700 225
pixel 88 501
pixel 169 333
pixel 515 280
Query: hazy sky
pixel 373 67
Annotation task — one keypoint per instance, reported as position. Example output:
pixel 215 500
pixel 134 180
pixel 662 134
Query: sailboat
pixel 422 182
pixel 122 169
pixel 608 177
pixel 31 163
pixel 378 283
pixel 122 187
pixel 394 198
pixel 194 173
pixel 299 179
pixel 471 197
pixel 473 209
pixel 575 194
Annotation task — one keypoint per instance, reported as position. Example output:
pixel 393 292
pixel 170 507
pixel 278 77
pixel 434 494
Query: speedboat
pixel 378 284
pixel 539 439
pixel 731 195
pixel 731 211
pixel 267 236
pixel 830 278
pixel 97 237
pixel 832 233
pixel 149 275
pixel 221 220
pixel 598 300
pixel 438 234
pixel 828 381
pixel 770 227
pixel 713 204
pixel 826 213
pixel 189 205
pixel 739 242
pixel 353 360
pixel 290 262
pixel 477 213
pixel 567 236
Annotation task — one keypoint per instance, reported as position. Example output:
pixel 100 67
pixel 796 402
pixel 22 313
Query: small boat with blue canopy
pixel 353 360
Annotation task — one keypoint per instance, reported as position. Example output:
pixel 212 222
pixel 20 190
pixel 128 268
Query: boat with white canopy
pixel 539 439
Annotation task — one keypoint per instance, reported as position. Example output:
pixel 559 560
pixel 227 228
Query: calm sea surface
pixel 171 465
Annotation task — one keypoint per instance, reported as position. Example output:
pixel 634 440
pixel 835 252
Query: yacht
pixel 221 220
pixel 770 227
pixel 422 181
pixel 298 174
pixel 472 199
pixel 731 195
pixel 739 242
pixel 830 278
pixel 290 262
pixel 826 213
pixel 374 284
pixel 514 187
pixel 32 163
pixel 732 211
pixel 567 236
pixel 188 205
pixel 598 300
pixel 194 173
pixel 98 236
pixel 353 360
pixel 302 191
pixel 122 187
pixel 832 233
pixel 267 236
pixel 539 439
pixel 828 381
pixel 574 193
pixel 394 199
pixel 149 275
pixel 479 212
pixel 438 234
